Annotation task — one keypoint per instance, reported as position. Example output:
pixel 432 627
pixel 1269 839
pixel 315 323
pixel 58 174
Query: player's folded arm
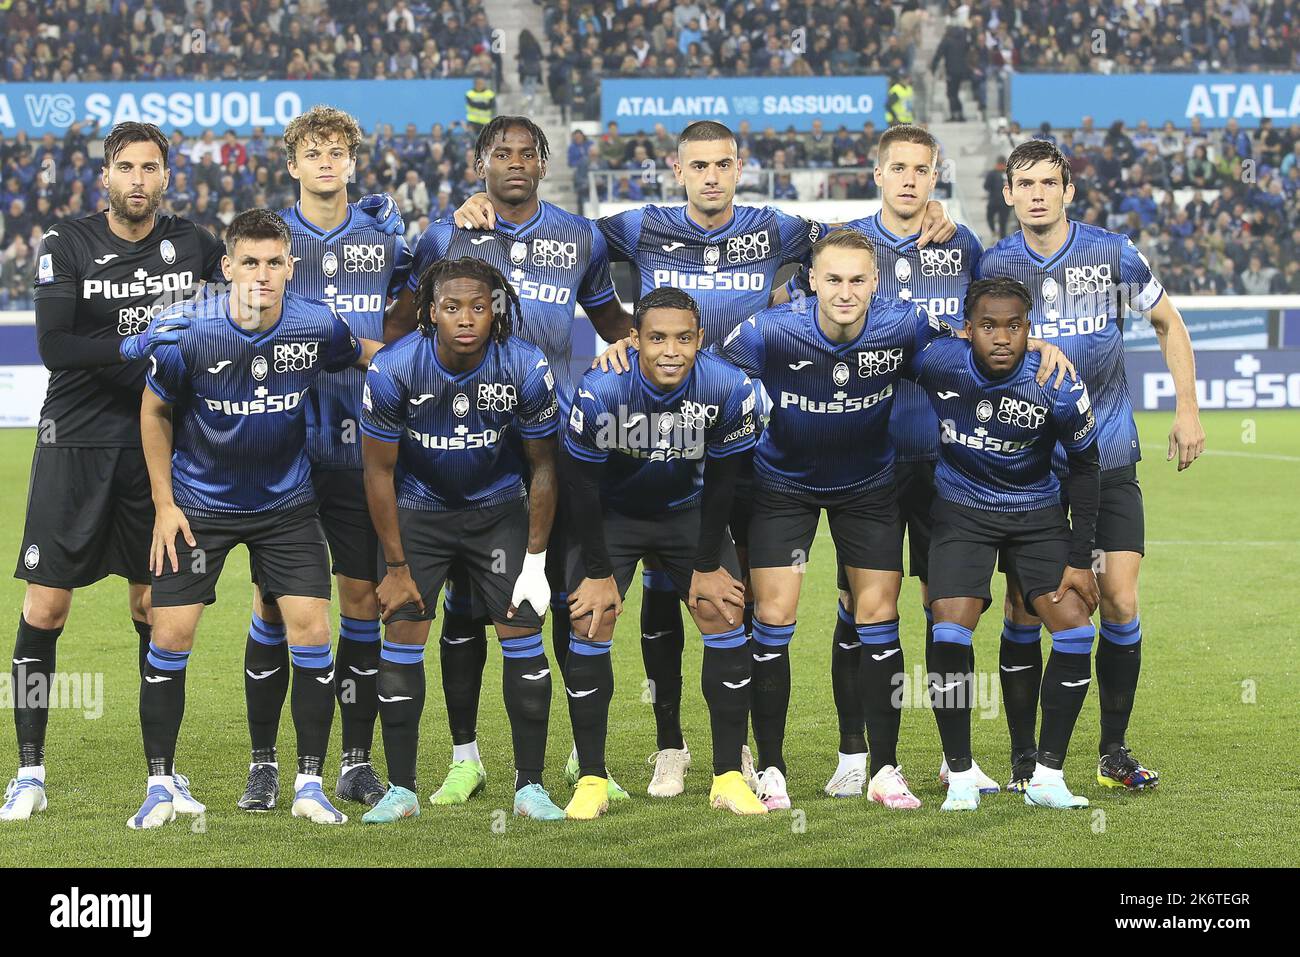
pixel 60 347
pixel 1077 429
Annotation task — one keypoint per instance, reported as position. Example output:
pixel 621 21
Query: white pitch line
pixel 1292 543
pixel 1254 455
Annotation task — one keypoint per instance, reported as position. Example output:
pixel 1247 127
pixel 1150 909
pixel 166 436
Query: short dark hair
pixel 500 125
pixel 665 297
pixel 1037 151
pixel 907 133
pixel 124 134
pixel 704 131
pixel 256 224
pixel 505 301
pixel 999 287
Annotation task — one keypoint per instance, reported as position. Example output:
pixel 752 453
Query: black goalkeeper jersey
pixel 91 283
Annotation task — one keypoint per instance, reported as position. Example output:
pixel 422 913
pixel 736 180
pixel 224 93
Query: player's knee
pixel 872 607
pixel 315 631
pixel 1119 605
pixel 46 608
pixel 711 622
pixel 1014 609
pixel 357 598
pixel 775 612
pixel 139 600
pixel 172 636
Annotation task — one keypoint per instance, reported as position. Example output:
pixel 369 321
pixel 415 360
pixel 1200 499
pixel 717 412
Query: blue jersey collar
pixel 510 229
pixel 317 231
pixel 697 228
pixel 838 347
pixel 461 376
pixel 254 337
pixel 984 380
pixel 898 242
pixel 1050 262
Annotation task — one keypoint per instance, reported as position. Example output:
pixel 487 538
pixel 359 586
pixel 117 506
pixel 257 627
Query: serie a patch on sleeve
pixel 45 269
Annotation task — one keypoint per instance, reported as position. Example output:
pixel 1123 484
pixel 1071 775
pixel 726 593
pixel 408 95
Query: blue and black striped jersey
pixel 729 271
pixel 829 425
pixel 1082 294
pixel 999 434
pixel 453 428
pixel 354 268
pixel 239 402
pixel 654 443
pixel 556 261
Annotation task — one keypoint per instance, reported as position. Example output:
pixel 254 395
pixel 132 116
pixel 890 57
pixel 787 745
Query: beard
pixel 120 205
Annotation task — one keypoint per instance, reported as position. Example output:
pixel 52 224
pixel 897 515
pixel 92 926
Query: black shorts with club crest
pixel 287 556
pixel 866 527
pixel 354 546
pixel 965 545
pixel 671 537
pixel 487 543
pixel 89 515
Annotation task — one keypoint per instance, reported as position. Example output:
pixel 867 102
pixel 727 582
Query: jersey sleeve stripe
pixel 380 435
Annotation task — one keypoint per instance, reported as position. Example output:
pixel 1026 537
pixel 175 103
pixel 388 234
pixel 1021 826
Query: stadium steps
pixel 510 17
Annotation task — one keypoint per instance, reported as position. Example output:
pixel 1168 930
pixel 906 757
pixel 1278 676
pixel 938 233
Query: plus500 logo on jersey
pixel 295 356
pixel 471 440
pixel 941 262
pixel 748 248
pixel 139 286
pixel 363 257
pixel 723 281
pixel 1087 280
pixel 1018 412
pixel 269 403
pixel 555 254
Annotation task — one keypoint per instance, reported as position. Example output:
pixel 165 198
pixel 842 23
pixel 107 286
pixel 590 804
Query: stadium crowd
pixel 96 40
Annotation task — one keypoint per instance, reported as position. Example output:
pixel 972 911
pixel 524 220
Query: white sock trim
pixel 36 771
pixel 302 780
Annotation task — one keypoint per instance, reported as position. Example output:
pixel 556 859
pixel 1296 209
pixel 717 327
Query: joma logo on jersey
pixel 748 248
pixel 363 257
pixel 554 253
pixel 496 397
pixel 258 406
pixel 836 406
pixel 878 362
pixel 723 281
pixel 141 285
pixel 1087 280
pixel 295 356
pixel 941 262
pixel 450 443
pixel 1022 414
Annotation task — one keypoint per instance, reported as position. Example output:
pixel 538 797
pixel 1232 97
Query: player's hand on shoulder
pixel 169 521
pixel 1053 363
pixel 397 589
pixel 614 357
pixel 163 331
pixel 594 597
pixel 476 213
pixel 1186 439
pixel 936 227
pixel 1081 581
pixel 719 589
pixel 383 209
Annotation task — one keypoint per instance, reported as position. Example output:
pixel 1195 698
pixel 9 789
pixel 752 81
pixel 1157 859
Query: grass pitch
pixel 1215 714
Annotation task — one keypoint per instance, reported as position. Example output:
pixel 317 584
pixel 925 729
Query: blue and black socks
pixel 771 696
pixel 846 683
pixel 162 706
pixel 1020 671
pixel 400 693
pixel 1119 662
pixel 881 672
pixel 663 639
pixel 33 664
pixel 356 678
pixel 1065 685
pixel 311 703
pixel 266 685
pixel 726 680
pixel 589 687
pixel 526 685
pixel 950 691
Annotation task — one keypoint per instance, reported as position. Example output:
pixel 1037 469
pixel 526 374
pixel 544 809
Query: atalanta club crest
pixel 902 270
pixel 841 373
pixel 32 557
pixel 460 404
pixel 259 368
pixel 1050 289
pixel 168 251
pixel 984 411
pixel 329 264
pixel 518 252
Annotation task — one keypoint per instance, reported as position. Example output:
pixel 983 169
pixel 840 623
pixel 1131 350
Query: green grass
pixel 1219 605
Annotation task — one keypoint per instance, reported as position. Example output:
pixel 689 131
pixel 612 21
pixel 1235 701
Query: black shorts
pixel 341 498
pixel 488 543
pixel 865 526
pixel 672 538
pixel 742 502
pixel 1121 524
pixel 965 544
pixel 915 498
pixel 89 515
pixel 287 555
